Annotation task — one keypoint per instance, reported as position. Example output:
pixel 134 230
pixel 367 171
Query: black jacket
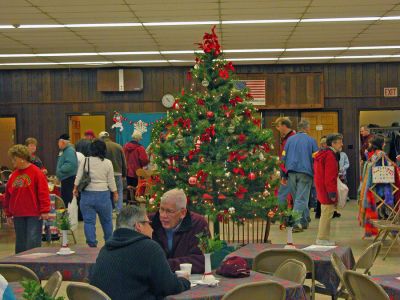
pixel 132 266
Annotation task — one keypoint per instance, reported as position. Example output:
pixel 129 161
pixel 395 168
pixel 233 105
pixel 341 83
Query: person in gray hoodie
pixel 131 265
pixel 67 166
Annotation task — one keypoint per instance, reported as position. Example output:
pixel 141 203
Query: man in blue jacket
pixel 67 166
pixel 298 159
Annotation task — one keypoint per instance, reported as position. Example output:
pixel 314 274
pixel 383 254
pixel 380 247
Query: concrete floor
pixel 345 231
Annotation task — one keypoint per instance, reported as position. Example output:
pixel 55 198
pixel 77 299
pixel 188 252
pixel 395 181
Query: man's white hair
pixel 176 195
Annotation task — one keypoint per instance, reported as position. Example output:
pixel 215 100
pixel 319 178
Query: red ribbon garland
pixel 235 100
pixel 240 192
pixel 238 171
pixel 201 176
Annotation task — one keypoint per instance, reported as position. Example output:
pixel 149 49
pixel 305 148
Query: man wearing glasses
pixel 175 229
pixel 131 265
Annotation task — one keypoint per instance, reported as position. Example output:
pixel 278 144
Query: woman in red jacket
pixel 136 158
pixel 326 171
pixel 27 199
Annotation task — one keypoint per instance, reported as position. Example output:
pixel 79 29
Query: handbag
pixel 383 174
pixel 343 191
pixel 85 180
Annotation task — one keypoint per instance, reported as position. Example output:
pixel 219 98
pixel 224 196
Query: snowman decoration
pixel 117 121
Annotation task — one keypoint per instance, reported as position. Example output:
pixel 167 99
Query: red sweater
pixel 27 193
pixel 326 172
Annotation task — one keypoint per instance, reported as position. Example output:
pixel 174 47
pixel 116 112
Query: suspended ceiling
pixel 136 32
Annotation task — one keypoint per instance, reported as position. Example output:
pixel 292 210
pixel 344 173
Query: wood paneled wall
pixel 42 99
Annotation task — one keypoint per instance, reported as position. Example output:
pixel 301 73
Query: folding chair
pixel 361 287
pixel 269 260
pixel 265 290
pixel 80 291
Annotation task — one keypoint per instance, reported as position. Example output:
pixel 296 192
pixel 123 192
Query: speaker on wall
pixel 119 80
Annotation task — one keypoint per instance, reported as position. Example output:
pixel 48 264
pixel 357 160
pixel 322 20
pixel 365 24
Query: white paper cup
pixel 181 273
pixel 187 268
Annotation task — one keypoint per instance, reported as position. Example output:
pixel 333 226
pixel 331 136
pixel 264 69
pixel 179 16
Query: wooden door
pixel 322 123
pixel 75 128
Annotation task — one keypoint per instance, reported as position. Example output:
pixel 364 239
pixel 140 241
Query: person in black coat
pixel 131 265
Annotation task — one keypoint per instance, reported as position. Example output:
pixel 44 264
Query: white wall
pixel 383 118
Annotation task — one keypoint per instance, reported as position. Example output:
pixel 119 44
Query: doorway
pixel 386 123
pixel 78 124
pixel 8 134
pixel 321 123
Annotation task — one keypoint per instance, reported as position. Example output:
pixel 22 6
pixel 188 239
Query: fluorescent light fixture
pixel 253 50
pixel 41 26
pixel 140 61
pixel 129 53
pixel 315 49
pixel 362 56
pixel 86 63
pixel 179 60
pixel 66 54
pixel 259 21
pixel 29 64
pixel 373 47
pixel 181 23
pixel 179 52
pixel 7 27
pixel 389 18
pixel 356 19
pixel 253 59
pixel 307 58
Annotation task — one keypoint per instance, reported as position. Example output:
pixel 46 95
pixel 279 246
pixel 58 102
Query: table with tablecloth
pixel 294 291
pixel 44 262
pixel 324 271
pixel 390 283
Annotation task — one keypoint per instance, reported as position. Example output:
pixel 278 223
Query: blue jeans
pixel 93 202
pixel 300 188
pixel 28 233
pixel 283 192
pixel 120 189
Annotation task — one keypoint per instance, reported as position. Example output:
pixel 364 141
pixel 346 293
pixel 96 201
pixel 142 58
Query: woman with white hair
pixel 136 158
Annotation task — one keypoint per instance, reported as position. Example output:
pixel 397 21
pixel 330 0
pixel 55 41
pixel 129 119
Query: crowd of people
pixel 168 237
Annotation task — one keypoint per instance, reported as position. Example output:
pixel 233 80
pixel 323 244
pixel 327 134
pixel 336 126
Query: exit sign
pixel 390 92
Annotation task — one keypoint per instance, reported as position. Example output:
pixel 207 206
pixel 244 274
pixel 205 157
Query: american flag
pixel 257 89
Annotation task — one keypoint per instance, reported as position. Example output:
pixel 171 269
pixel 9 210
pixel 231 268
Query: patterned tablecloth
pixel 294 291
pixel 324 272
pixel 45 261
pixel 390 283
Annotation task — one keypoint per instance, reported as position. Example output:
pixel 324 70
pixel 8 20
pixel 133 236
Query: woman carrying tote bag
pixel 95 198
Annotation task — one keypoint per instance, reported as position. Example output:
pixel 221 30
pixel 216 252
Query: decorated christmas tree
pixel 212 146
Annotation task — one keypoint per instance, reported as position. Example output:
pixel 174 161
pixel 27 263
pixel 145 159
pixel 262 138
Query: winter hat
pixel 64 136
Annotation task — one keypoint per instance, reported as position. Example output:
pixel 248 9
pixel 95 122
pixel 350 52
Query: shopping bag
pixel 343 191
pixel 73 213
pixel 383 174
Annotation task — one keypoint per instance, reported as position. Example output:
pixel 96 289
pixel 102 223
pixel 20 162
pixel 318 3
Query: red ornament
pixel 192 180
pixel 251 176
pixel 271 214
pixel 201 101
pixel 223 74
pixel 207 197
pixel 242 138
pixel 210 114
pixel 221 197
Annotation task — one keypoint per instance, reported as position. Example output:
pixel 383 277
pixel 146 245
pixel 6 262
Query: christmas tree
pixel 212 146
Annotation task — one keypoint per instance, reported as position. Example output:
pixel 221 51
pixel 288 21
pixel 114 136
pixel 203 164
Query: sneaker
pixel 317 216
pixel 297 228
pixel 325 243
pixel 336 215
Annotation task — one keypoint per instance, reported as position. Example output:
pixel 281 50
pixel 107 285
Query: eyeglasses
pixel 147 221
pixel 168 211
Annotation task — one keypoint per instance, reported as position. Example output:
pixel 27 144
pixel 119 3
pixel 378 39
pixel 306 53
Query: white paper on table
pixel 318 248
pixel 35 255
